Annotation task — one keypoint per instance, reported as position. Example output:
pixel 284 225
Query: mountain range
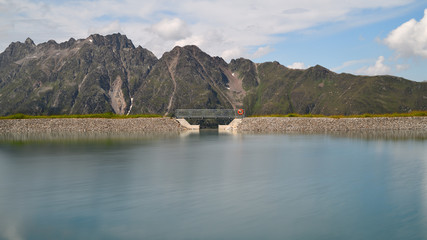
pixel 109 74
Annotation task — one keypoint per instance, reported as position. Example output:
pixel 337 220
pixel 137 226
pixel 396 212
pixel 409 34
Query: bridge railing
pixel 209 113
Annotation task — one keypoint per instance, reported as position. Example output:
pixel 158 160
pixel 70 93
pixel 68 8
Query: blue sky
pixel 366 37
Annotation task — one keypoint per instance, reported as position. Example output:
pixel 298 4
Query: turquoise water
pixel 215 186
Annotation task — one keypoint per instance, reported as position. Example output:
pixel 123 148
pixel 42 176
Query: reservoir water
pixel 215 186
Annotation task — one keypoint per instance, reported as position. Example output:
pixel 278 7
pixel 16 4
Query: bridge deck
pixel 209 113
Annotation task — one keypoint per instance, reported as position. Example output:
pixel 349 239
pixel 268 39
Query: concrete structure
pixel 230 127
pixel 199 114
pixel 187 125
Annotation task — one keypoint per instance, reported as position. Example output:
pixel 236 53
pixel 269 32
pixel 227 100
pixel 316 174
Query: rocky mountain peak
pixel 319 68
pixel 16 51
pixel 52 42
pixel 189 50
pixel 117 41
pixel 192 48
pixel 68 43
pixel 29 41
pixel 319 72
pixel 192 54
pixel 108 74
pixel 238 60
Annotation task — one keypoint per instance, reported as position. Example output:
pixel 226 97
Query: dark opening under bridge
pixel 231 117
pixel 209 113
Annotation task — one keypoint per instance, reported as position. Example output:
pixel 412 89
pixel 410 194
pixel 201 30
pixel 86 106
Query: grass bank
pixel 366 115
pixel 98 115
pixel 117 116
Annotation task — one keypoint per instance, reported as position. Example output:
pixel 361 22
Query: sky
pixel 364 37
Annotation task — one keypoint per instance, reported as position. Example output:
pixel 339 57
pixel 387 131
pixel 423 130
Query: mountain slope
pixel 185 77
pixel 109 74
pixel 94 75
pixel 319 91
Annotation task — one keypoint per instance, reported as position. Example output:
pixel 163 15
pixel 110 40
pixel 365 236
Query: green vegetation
pixel 99 115
pixel 366 115
pixel 318 90
pixel 111 75
pixel 116 116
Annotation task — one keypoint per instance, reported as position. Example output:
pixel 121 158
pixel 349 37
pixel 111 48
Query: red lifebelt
pixel 240 111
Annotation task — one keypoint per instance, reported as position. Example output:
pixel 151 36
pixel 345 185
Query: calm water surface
pixel 215 186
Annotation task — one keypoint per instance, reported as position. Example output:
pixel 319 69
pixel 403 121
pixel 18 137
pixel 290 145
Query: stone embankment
pixel 247 125
pixel 90 125
pixel 317 125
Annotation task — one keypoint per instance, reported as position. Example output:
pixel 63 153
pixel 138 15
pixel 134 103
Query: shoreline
pixel 324 125
pixel 248 125
pixel 90 125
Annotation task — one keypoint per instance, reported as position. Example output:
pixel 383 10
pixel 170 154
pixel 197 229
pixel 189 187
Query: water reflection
pixel 395 135
pixel 212 185
pixel 390 135
pixel 64 137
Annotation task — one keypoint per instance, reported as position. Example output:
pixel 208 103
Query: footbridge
pixel 233 115
pixel 209 113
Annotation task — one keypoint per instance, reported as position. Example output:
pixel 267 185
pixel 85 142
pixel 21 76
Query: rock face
pixel 109 74
pixel 185 77
pixel 94 75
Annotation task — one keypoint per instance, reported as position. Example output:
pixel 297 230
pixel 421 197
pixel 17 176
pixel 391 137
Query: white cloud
pixel 349 64
pixel 220 27
pixel 295 11
pixel 171 29
pixel 192 40
pixel 297 65
pixel 261 51
pixel 379 68
pixel 113 27
pixel 402 67
pixel 409 39
pixel 232 53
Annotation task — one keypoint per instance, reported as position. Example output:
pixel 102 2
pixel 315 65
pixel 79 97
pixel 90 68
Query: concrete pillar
pixel 187 125
pixel 230 127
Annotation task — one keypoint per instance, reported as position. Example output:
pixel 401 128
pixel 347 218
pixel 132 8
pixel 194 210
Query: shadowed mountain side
pixel 109 74
pixel 185 77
